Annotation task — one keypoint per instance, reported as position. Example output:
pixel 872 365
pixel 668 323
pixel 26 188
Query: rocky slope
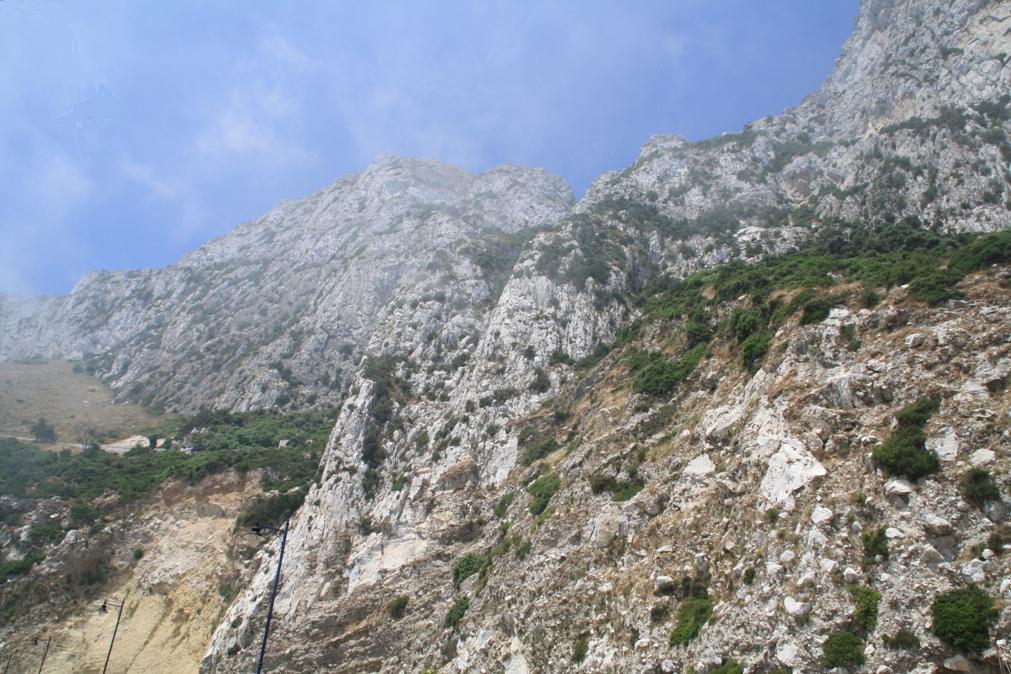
pixel 911 129
pixel 476 353
pixel 278 311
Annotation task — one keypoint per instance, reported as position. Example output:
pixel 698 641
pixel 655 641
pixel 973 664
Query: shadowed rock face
pixel 457 305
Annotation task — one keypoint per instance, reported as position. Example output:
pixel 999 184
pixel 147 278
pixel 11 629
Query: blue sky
pixel 133 131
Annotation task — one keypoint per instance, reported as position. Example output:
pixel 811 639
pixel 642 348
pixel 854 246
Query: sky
pixel 133 131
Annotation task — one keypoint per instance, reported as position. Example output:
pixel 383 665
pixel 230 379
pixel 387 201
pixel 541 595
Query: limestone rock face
pixel 409 254
pixel 478 311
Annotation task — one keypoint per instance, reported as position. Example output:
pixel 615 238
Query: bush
pixel 754 348
pixel 843 649
pixel 904 452
pixel 456 612
pixel 17 567
pixel 654 375
pixel 620 490
pixel 542 489
pixel 579 649
pixel 865 602
pixel 875 543
pixel 979 488
pixel 397 607
pixel 138 553
pixel 541 381
pixel 272 510
pixel 903 640
pixel 45 532
pixel 43 431
pixel 502 507
pixel 468 565
pixel 539 451
pixel 692 615
pixel 962 618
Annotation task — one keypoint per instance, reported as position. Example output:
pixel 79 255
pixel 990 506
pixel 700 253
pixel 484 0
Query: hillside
pixel 743 407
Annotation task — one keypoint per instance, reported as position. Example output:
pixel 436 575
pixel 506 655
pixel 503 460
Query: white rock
pixel 642 644
pixel 796 608
pixel 892 533
pixel 935 525
pixel 790 469
pixel 806 580
pixel 788 654
pixel 829 565
pixel 700 466
pixel 981 457
pixel 773 569
pixel 816 538
pixel 987 554
pixel 821 514
pixel 975 570
pixel 851 575
pixel 667 666
pixel 945 443
pixel 915 340
pixel 787 556
pixel 958 663
pixel 898 487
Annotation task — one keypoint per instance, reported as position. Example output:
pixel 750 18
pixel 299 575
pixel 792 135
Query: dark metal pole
pixel 119 613
pixel 44 654
pixel 273 594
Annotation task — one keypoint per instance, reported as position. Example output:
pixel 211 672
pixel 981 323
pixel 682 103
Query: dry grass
pixel 70 401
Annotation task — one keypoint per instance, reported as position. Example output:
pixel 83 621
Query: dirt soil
pixel 70 401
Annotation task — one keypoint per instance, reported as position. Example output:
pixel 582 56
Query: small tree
pixel 43 431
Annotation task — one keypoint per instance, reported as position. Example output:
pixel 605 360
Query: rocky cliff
pixel 278 312
pixel 550 452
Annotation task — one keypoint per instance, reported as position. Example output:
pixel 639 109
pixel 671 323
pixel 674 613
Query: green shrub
pixel 962 618
pixel 904 452
pixel 17 567
pixel 45 532
pixel 903 640
pixel 817 310
pixel 138 553
pixel 541 382
pixel 579 649
pixel 502 506
pixel 272 510
pixel 754 348
pixel 692 614
pixel 539 451
pixel 875 543
pixel 728 667
pixel 397 607
pixel 620 490
pixel 468 565
pixel 843 649
pixel 456 612
pixel 865 602
pixel 655 375
pixel 979 487
pixel 523 549
pixel 542 489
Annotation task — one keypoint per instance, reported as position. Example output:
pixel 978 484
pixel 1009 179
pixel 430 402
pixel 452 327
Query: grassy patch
pixel 692 614
pixel 541 490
